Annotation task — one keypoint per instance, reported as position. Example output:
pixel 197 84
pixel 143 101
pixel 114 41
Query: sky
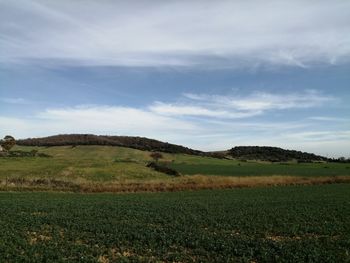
pixel 209 75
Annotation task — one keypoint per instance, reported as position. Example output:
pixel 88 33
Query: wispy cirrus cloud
pixel 329 119
pixel 112 119
pixel 257 103
pixel 320 135
pixel 204 111
pixel 14 100
pixel 176 33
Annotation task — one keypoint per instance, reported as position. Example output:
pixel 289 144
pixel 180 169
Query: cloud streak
pixel 234 107
pixel 176 33
pixel 14 101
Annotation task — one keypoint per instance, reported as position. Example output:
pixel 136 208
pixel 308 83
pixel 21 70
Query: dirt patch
pixel 35 237
pixel 103 259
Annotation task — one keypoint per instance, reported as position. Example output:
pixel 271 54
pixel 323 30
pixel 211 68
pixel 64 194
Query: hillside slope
pixel 93 168
pixel 139 143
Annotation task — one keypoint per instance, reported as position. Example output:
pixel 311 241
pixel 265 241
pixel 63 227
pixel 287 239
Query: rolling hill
pixel 140 143
pixel 262 153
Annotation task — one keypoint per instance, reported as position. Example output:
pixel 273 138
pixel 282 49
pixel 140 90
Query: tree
pixel 156 156
pixel 8 142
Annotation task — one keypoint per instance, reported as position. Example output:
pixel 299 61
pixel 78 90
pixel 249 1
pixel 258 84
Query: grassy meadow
pixel 274 224
pixel 107 168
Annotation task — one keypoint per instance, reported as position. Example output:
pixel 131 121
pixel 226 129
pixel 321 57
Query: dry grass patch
pixel 197 182
pixel 194 182
pixel 35 237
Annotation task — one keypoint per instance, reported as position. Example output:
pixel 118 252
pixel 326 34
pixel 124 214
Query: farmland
pixel 261 169
pixel 114 169
pixel 290 224
pixel 73 218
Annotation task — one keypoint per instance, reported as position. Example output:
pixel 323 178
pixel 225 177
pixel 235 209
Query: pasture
pixel 108 168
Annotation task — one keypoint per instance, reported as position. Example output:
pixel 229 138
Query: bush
pixel 163 169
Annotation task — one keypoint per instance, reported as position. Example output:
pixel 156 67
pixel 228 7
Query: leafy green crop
pixel 263 169
pixel 284 224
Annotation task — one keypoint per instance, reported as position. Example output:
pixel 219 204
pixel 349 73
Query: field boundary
pixel 194 182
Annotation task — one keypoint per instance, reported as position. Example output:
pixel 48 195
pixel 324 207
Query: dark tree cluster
pixel 139 143
pixel 273 154
pixel 163 169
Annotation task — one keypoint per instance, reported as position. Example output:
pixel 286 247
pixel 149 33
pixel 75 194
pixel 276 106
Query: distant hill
pixel 263 153
pixel 272 154
pixel 139 143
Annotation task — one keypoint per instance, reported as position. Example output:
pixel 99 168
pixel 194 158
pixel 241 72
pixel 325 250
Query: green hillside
pixel 105 166
pixel 140 143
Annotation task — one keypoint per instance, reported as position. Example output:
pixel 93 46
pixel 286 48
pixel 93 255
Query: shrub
pixel 163 169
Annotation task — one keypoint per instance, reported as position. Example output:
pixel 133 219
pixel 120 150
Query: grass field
pixel 285 224
pixel 262 169
pixel 106 168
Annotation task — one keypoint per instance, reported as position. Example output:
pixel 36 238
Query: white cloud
pixel 94 119
pixel 328 118
pixel 233 107
pixel 189 110
pixel 320 135
pixel 176 33
pixel 112 119
pixel 265 101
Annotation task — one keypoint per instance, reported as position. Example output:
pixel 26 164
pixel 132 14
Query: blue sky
pixel 206 74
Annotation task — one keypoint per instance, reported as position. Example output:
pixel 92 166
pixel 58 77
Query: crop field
pixel 262 169
pixel 285 224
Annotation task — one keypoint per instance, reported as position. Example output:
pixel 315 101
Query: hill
pixel 273 154
pixel 139 143
pixel 91 168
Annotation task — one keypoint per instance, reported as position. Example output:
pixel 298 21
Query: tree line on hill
pixel 139 143
pixel 274 154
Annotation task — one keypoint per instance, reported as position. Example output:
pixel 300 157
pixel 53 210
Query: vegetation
pixel 252 168
pixel 139 143
pixel 163 169
pixel 285 224
pixel 7 143
pixel 270 154
pixel 106 168
pixel 273 154
pixel 156 156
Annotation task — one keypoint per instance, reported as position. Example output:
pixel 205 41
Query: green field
pixel 229 168
pixel 106 163
pixel 92 163
pixel 284 224
pixel 108 168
